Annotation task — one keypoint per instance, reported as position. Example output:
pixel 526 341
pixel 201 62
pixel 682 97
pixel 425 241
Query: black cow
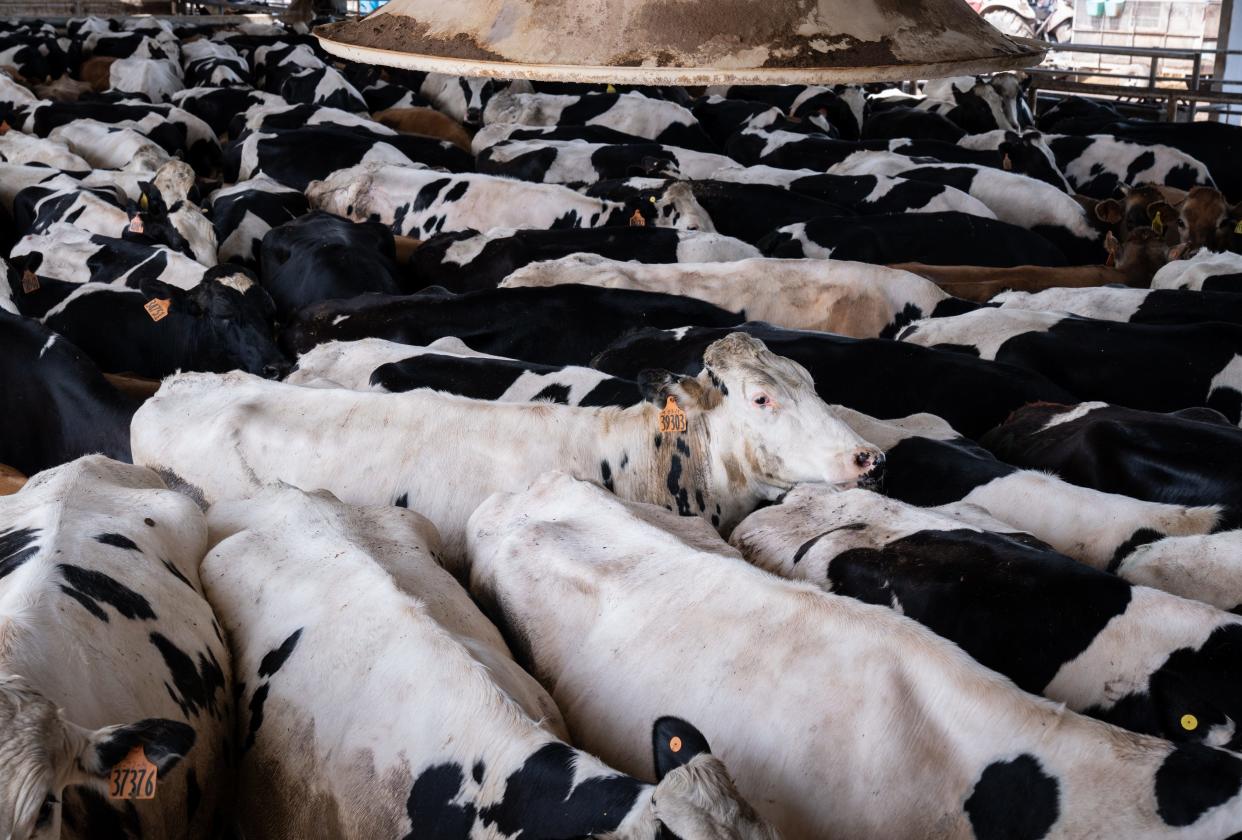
pixel 321 257
pixel 896 123
pixel 58 406
pixel 875 376
pixel 555 325
pixel 930 238
pixel 468 261
pixel 1187 457
pixel 224 323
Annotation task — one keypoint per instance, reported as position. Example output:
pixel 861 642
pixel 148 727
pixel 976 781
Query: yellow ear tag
pixel 610 89
pixel 652 199
pixel 157 308
pixel 30 282
pixel 1157 223
pixel 133 778
pixel 1190 723
pixel 142 201
pixel 674 744
pixel 637 219
pixel 1238 228
pixel 672 418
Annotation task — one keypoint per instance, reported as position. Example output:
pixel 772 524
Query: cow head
pixel 768 428
pixel 1144 206
pixel 224 323
pixel 1207 220
pixel 672 205
pixel 695 796
pixel 43 754
pixel 1139 256
pixel 149 222
pixel 1028 154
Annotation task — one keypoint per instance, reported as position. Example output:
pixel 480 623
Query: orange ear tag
pixel 4 127
pixel 136 225
pixel 637 219
pixel 672 418
pixel 157 308
pixel 133 778
pixel 30 282
pixel 674 744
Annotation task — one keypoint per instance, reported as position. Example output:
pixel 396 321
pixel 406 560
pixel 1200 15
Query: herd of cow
pixel 423 457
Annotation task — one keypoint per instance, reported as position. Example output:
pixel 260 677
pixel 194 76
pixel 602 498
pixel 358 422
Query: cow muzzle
pixel 870 464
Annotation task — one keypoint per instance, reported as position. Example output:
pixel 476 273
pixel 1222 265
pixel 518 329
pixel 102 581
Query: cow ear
pixel 1167 212
pixel 1109 211
pixel 154 288
pixel 674 743
pixel 164 742
pixel 656 385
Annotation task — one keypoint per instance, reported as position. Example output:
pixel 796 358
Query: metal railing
pixel 1193 89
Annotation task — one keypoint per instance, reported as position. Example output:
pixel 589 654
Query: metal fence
pixel 1178 97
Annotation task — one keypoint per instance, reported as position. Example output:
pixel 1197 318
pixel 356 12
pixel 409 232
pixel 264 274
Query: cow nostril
pixel 868 459
pixel 274 371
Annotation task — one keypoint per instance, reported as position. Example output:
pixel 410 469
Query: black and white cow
pixel 1026 202
pixel 106 146
pixel 496 761
pixel 565 325
pixel 1184 458
pixel 1098 165
pixel 836 296
pixel 211 64
pixel 1134 306
pixel 222 323
pixel 466 261
pixel 18 147
pixel 656 120
pixel 154 79
pixel 243 212
pixel 1153 367
pixel 297 157
pixel 1024 767
pixel 1205 271
pixel 748 419
pixel 948 238
pixel 421 202
pixel 1206 568
pixel 1136 657
pixel 842 107
pixel 979 104
pixel 99 569
pixel 879 377
pixel 59 405
pixel 217 106
pixel 175 130
pixel 575 162
pixel 319 256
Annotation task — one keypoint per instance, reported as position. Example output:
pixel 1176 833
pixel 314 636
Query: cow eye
pixel 1181 223
pixel 45 811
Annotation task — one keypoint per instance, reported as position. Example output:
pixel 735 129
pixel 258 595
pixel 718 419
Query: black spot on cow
pixel 274 659
pixel 964 349
pixel 1139 165
pixel 403 500
pixel 1228 402
pixel 1013 800
pixel 17 545
pixel 256 715
pixel 118 540
pixel 1142 536
pixel 659 440
pixel 682 446
pixel 715 520
pixel 149 522
pixel 605 471
pixel 428 194
pixel 1194 779
pixel 809 544
pixel 477 772
pixel 908 315
pixel 89 587
pixel 570 219
pixel 1182 177
pixel 675 489
pixel 457 192
pixel 625 460
pixel 175 572
pixel 541 800
pixel 101 820
pixel 433 815
pixel 698 500
pixel 718 382
pixel 554 393
pixel 195 686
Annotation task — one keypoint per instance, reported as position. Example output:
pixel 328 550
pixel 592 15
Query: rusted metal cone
pixel 687 42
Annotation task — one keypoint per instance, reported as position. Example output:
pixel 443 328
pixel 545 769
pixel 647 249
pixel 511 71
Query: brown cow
pixel 96 71
pixel 1207 220
pixel 1140 207
pixel 64 89
pixel 1142 255
pixel 10 480
pixel 425 122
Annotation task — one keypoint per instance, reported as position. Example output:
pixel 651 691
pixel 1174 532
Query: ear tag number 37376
pixel 133 777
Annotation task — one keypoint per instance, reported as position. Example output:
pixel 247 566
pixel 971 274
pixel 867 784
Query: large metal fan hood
pixel 687 42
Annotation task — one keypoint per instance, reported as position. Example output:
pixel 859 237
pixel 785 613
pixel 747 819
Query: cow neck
pixel 675 470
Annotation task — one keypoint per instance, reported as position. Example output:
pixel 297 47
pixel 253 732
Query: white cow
pixel 838 296
pixel 837 719
pixel 107 644
pixel 753 427
pixel 108 146
pixel 157 79
pixel 1206 567
pixel 456 739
